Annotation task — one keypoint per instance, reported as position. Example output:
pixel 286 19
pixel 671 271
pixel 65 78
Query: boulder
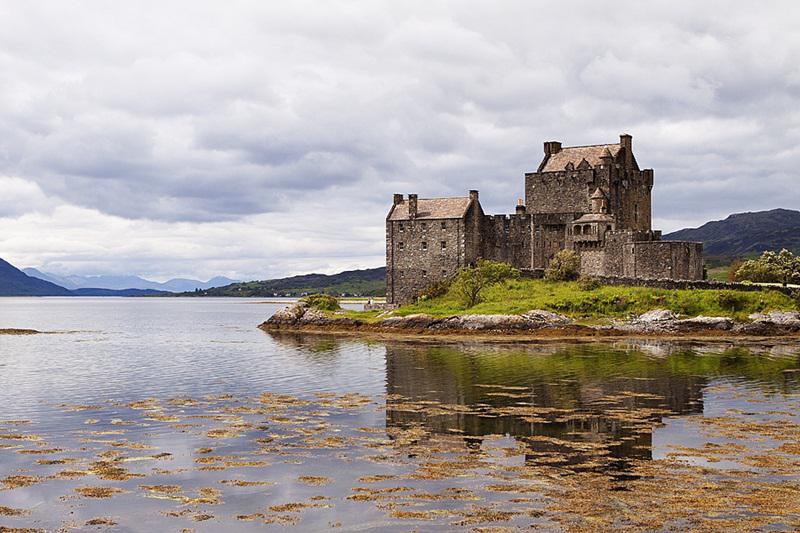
pixel 485 322
pixel 539 318
pixel 656 315
pixel 416 321
pixel 772 323
pixel 704 323
pixel 289 315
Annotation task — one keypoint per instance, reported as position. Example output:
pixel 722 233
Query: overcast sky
pixel 262 139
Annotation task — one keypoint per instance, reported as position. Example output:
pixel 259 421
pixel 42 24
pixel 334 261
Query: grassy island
pixel 574 299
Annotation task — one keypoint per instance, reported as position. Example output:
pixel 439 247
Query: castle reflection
pixel 575 406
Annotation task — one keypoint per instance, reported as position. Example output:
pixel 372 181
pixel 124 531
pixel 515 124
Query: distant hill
pixel 746 234
pixel 369 282
pixel 127 282
pixel 14 282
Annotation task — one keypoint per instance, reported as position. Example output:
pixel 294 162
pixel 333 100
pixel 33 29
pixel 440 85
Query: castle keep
pixel 592 199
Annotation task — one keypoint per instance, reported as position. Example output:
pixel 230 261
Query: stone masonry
pixel 591 199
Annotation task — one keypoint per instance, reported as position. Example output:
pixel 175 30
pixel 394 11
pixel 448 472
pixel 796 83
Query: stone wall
pixel 560 192
pixel 507 239
pixel 663 260
pixel 690 284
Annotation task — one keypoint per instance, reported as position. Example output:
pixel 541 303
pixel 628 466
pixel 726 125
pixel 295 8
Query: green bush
pixel 588 283
pixel 472 280
pixel 731 301
pixel 435 289
pixel 564 266
pixel 782 267
pixel 323 302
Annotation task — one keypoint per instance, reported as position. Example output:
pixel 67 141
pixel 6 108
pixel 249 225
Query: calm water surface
pixel 164 414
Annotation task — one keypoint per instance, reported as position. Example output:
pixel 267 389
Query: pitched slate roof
pixel 433 208
pixel 576 154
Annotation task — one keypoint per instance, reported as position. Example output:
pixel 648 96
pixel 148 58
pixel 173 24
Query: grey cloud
pixel 193 112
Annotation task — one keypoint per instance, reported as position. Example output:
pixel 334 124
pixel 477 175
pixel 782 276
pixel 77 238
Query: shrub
pixel 323 302
pixel 731 301
pixel 564 266
pixel 471 280
pixel 435 289
pixel 782 267
pixel 588 283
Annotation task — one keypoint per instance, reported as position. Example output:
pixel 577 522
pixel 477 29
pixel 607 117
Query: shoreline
pixel 538 337
pixel 774 328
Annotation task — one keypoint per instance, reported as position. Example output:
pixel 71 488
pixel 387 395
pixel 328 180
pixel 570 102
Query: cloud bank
pixel 257 139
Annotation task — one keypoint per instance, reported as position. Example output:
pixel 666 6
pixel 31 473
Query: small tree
pixel 471 280
pixel 564 266
pixel 782 267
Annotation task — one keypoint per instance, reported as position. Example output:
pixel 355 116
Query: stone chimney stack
pixel 520 207
pixel 626 141
pixel 552 147
pixel 412 206
pixel 397 199
pixel 473 195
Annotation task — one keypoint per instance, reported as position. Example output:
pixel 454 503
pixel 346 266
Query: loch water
pixel 163 414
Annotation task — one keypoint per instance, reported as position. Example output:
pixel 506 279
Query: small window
pixel 444 224
pixel 401 227
pixel 444 245
pixel 444 273
pixel 424 245
pixel 424 226
pixel 424 273
pixel 608 228
pixel 636 213
pixel 400 246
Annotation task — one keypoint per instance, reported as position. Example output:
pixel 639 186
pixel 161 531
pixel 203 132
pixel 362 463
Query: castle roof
pixel 575 154
pixel 433 208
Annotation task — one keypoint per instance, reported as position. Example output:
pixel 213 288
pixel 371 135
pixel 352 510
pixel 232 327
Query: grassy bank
pixel 567 298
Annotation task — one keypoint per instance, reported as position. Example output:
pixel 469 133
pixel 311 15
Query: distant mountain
pixel 14 282
pixel 746 234
pixel 369 282
pixel 127 282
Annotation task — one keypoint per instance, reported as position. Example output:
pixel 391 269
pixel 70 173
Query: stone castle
pixel 591 199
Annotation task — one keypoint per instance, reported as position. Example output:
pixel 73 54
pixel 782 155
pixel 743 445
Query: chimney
pixel 552 147
pixel 412 206
pixel 397 199
pixel 520 207
pixel 626 141
pixel 473 195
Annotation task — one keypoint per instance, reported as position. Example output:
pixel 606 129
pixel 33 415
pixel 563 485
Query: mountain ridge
pixel 74 282
pixel 745 234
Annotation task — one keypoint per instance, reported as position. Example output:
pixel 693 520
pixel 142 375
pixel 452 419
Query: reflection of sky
pixel 112 352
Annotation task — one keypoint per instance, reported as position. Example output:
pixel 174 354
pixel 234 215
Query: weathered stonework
pixel 592 199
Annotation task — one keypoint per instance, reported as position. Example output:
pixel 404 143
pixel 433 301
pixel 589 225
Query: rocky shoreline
pixel 538 323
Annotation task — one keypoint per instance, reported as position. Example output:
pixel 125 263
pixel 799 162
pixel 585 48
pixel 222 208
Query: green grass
pixel 718 273
pixel 519 296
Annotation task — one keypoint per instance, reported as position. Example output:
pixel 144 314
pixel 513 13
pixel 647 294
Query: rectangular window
pixel 444 245
pixel 444 273
pixel 400 246
pixel 401 227
pixel 424 245
pixel 424 273
pixel 424 226
pixel 444 224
